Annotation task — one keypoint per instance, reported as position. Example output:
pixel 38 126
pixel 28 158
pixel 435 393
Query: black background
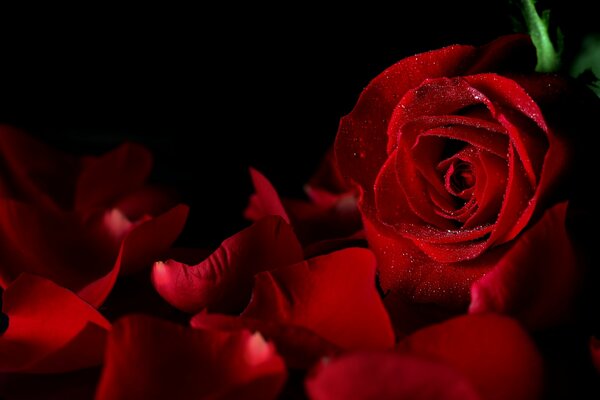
pixel 214 90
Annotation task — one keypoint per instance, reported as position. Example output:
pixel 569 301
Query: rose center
pixel 460 178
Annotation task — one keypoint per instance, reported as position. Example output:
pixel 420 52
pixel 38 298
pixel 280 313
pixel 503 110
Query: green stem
pixel 548 59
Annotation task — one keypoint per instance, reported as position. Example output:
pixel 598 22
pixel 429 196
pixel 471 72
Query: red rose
pixel 459 165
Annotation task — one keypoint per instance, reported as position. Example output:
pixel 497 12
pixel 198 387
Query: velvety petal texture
pixel 316 308
pixel 493 352
pixel 265 200
pixel 543 293
pixel 332 295
pixel 50 329
pixel 148 358
pixel 300 347
pixel 469 357
pixel 223 282
pixel 144 244
pixel 363 376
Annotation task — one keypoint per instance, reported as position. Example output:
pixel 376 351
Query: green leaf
pixel 586 65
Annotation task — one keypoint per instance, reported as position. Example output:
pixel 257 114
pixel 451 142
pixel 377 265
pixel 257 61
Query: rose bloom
pixel 461 155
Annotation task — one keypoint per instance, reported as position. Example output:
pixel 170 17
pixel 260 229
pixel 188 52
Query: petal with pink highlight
pixel 152 358
pixel 223 282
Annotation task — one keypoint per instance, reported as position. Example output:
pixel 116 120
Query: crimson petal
pixel 494 352
pixel 148 358
pixel 537 277
pixel 32 172
pixel 333 295
pixel 299 347
pixel 363 376
pixel 139 249
pixel 150 239
pixel 103 180
pixel 265 201
pixel 53 244
pixel 405 269
pixel 50 329
pixel 224 280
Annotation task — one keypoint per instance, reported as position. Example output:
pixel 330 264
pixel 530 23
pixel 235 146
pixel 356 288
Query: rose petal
pixel 49 329
pixel 489 191
pixel 536 280
pixel 104 180
pixel 362 139
pixel 224 280
pixel 313 223
pixel 405 269
pixel 332 295
pixel 144 243
pixel 151 358
pixel 386 376
pixel 513 53
pixel 265 201
pixel 35 173
pixel 451 95
pixel 387 187
pixel 492 351
pixel 53 244
pixel 479 132
pixel 149 200
pixel 508 94
pixel 299 347
pixel 150 239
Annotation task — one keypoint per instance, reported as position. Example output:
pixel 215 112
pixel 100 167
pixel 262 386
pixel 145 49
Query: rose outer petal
pixel 265 201
pixel 53 244
pixel 105 179
pixel 223 282
pixel 364 376
pixel 332 295
pixel 50 329
pixel 300 347
pixel 144 243
pixel 492 351
pixel 536 279
pixel 33 172
pixel 404 269
pixel 148 358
